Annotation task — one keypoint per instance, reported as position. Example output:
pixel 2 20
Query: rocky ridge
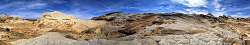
pixel 56 28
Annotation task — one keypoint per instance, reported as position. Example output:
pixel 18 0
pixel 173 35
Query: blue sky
pixel 86 9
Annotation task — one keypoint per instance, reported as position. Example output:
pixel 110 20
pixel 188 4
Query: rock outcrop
pixel 170 29
pixel 62 22
pixel 13 28
pixel 56 20
pixel 56 28
pixel 73 27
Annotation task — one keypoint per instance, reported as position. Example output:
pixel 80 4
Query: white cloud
pixel 20 5
pixel 37 5
pixel 239 9
pixel 58 1
pixel 193 11
pixel 81 14
pixel 26 14
pixel 219 13
pixel 239 14
pixel 192 3
pixel 218 7
pixel 22 8
pixel 11 5
pixel 180 11
pixel 197 11
pixel 219 10
pixel 32 6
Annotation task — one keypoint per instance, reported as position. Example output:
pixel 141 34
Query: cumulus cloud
pixel 192 3
pixel 215 5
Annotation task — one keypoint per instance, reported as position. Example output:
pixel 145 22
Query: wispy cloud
pixel 239 14
pixel 32 6
pixel 192 3
pixel 240 9
pixel 82 14
pixel 12 4
pixel 217 5
pixel 37 5
pixel 26 14
pixel 192 11
pixel 90 8
pixel 22 8
pixel 195 5
pixel 219 10
pixel 22 5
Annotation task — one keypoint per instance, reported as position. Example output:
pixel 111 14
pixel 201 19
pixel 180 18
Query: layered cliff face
pixel 172 29
pixel 56 28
